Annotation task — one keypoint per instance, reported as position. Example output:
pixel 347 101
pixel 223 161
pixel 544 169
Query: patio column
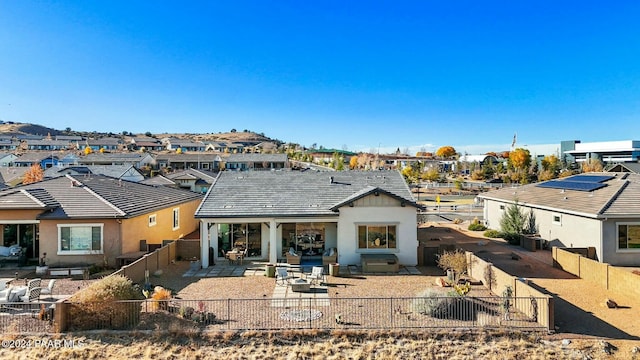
pixel 273 242
pixel 204 244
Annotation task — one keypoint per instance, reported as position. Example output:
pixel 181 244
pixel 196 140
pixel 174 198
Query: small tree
pixel 34 174
pixel 453 260
pixel 512 223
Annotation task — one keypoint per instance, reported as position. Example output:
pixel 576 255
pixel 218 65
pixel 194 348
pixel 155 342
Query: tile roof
pixel 293 193
pixel 620 198
pixel 98 197
pixel 253 157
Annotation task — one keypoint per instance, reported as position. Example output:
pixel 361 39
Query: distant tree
pixel 592 165
pixel 125 133
pixel 148 134
pixel 245 131
pixel 67 130
pixel 102 150
pixel 431 174
pixel 233 130
pixel 446 152
pixel 520 158
pixel 88 150
pixel 353 162
pixel 34 174
pixel 552 164
pixel 179 150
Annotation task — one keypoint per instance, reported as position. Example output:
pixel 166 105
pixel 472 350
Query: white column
pixel 204 243
pixel 273 242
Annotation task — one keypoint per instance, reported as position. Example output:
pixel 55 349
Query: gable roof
pixel 296 193
pixel 98 196
pixel 619 198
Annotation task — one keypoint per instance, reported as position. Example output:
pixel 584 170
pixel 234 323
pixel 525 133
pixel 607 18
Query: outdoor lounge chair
pixel 282 276
pixel 49 289
pixel 32 295
pixel 317 275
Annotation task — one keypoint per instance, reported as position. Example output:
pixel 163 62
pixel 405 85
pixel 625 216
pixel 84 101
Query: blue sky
pixel 342 74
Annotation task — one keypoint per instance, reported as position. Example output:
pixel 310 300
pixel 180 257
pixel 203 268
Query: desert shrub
pixel 477 227
pixel 432 302
pixel 159 298
pixel 491 233
pixel 512 238
pixel 98 306
pixel 457 221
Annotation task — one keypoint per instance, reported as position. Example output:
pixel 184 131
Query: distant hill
pixel 15 128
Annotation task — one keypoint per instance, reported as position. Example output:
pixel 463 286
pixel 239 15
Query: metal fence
pixel 307 313
pixel 26 318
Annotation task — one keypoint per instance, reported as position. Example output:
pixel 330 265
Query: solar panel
pixel 571 185
pixel 590 178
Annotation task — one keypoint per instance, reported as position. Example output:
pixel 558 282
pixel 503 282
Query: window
pixel 80 239
pixel 501 207
pixel 557 219
pixel 629 236
pixel 176 218
pixel 152 220
pixel 376 236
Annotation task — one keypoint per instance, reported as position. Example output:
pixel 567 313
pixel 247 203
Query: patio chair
pixel 317 275
pixel 32 295
pixel 5 295
pixel 49 289
pixel 282 276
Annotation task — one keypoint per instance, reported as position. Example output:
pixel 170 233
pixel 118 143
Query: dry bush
pixel 98 306
pixel 453 260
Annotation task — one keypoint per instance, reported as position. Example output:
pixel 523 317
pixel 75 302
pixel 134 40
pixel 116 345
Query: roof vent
pixel 330 179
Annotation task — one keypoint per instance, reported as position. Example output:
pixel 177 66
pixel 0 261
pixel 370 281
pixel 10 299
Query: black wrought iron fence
pixel 311 313
pixel 26 318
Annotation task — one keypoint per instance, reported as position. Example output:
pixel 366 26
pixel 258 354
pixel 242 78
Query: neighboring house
pixel 184 145
pixel 108 144
pixel 214 146
pixel 192 179
pixel 6 159
pixel 48 145
pixel 256 161
pixel 44 159
pixel 122 172
pixel 81 221
pixel 12 176
pixel 9 144
pixel 269 212
pixel 325 156
pixel 203 161
pixel 138 160
pixel 600 210
pixel 146 143
pixel 159 180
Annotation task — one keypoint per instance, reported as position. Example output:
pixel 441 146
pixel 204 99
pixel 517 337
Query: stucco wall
pixel 610 251
pixel 404 218
pixel 136 229
pixel 49 243
pixel 571 231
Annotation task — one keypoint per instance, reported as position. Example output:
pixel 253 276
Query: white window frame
pixel 625 250
pixel 176 218
pixel 553 219
pixel 80 252
pixel 153 220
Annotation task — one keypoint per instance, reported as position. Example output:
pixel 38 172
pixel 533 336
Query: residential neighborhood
pixel 319 180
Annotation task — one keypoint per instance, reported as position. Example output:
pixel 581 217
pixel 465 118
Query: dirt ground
pixel 580 310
